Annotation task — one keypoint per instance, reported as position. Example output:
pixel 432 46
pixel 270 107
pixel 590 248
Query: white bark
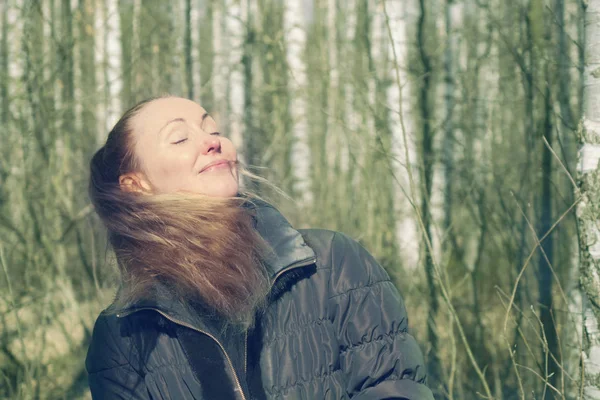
pixel 236 31
pixel 101 129
pixel 195 21
pixel 407 230
pixel 295 32
pixel 350 115
pixel 108 56
pixel 334 73
pixel 113 58
pixel 587 212
pixel 219 77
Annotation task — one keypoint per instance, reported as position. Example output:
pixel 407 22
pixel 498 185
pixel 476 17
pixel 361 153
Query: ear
pixel 134 182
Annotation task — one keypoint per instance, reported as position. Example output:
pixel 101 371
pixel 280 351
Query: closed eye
pixel 180 141
pixel 215 133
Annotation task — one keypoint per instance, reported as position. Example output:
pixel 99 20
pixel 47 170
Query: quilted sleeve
pixel 110 374
pixel 380 359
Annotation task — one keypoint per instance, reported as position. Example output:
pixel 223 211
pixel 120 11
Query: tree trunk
pixel 545 279
pixel 318 59
pixel 32 75
pixel 448 155
pixel 66 65
pixel 581 7
pixel 144 80
pixel 87 68
pixel 427 160
pixel 4 75
pixel 274 116
pixel 564 61
pixel 189 65
pixel 165 68
pixel 381 218
pixel 588 213
pixel 126 16
pixel 251 145
pixel 206 54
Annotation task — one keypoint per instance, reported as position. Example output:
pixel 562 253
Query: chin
pixel 228 191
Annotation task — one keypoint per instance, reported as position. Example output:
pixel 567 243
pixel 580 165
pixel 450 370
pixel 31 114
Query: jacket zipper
pixel 246 352
pixel 176 321
pixel 299 264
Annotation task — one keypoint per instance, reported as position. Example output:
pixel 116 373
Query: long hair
pixel 204 248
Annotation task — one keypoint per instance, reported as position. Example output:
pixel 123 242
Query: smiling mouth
pixel 220 164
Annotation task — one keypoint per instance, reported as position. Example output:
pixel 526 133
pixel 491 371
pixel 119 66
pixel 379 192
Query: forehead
pixel 158 112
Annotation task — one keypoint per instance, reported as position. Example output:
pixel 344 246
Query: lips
pixel 213 164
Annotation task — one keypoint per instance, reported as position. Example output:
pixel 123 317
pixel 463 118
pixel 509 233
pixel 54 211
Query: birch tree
pixel 126 33
pixel 448 157
pixel 66 65
pixel 87 69
pixel 427 133
pixel 206 53
pixel 4 75
pixel 189 65
pixel 589 206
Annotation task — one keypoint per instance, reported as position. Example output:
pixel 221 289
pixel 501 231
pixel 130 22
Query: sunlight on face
pixel 181 149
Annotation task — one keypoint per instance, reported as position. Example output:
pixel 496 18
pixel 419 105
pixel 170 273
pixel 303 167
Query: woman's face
pixel 181 149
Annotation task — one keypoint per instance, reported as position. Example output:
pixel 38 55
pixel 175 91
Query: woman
pixel 220 297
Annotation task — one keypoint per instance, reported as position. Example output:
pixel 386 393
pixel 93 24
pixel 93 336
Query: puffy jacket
pixel 335 328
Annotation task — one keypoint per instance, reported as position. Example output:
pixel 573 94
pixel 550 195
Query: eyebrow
pixel 204 116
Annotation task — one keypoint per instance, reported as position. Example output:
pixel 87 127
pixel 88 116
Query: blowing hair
pixel 203 248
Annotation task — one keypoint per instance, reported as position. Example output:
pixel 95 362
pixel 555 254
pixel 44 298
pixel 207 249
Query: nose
pixel 211 143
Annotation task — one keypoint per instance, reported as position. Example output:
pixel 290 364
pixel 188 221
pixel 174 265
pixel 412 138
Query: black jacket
pixel 335 328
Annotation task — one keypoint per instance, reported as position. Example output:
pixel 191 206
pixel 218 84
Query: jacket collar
pixel 289 252
pixel 289 248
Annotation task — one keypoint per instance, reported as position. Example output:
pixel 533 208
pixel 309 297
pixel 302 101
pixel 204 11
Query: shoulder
pixel 351 264
pixel 320 240
pixel 106 348
pixel 115 341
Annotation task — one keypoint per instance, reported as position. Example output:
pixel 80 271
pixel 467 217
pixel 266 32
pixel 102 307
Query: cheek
pixel 175 163
pixel 167 169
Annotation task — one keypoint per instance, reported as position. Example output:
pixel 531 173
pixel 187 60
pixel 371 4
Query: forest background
pixel 439 133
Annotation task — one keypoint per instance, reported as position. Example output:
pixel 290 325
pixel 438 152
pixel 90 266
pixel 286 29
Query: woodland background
pixel 441 134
